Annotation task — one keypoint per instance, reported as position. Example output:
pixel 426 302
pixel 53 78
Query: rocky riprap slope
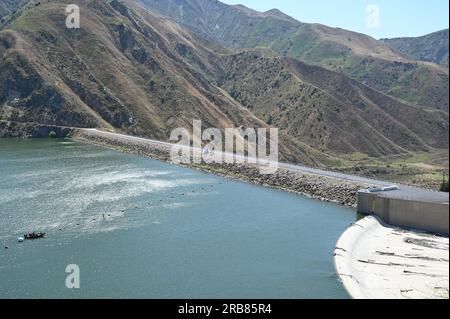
pixel 314 186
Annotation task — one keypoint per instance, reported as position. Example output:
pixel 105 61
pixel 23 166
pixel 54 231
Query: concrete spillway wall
pixel 431 216
pixel 377 261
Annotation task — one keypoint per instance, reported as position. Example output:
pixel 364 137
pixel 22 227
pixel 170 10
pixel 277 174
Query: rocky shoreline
pixel 31 130
pixel 310 185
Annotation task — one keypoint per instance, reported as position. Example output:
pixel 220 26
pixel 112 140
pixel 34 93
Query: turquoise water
pixel 168 232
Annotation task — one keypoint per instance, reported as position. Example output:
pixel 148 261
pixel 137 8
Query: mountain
pixel 356 55
pixel 431 47
pixel 124 69
pixel 327 110
pixel 135 71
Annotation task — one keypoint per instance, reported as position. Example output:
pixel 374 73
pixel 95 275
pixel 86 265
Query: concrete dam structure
pixel 407 207
pixel 401 250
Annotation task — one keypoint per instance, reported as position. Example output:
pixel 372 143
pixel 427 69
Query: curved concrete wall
pixel 431 217
pixel 421 215
pixel 377 261
pixel 343 256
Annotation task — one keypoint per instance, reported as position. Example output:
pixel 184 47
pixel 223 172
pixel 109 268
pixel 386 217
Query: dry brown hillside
pixel 135 71
pixel 328 110
pixel 353 54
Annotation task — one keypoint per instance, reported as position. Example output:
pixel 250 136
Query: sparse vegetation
pixel 363 58
pixel 431 48
pixel 325 118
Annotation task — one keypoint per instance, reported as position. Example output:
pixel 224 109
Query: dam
pixel 401 250
pixel 407 207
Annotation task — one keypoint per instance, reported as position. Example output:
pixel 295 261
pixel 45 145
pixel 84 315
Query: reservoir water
pixel 139 228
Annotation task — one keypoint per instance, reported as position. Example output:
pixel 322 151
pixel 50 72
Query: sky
pixel 377 18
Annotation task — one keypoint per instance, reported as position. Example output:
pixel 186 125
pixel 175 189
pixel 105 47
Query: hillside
pixel 356 55
pixel 328 110
pixel 430 48
pixel 53 74
pixel 130 70
pixel 124 69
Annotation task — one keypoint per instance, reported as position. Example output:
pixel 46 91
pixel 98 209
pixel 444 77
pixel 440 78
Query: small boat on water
pixel 34 235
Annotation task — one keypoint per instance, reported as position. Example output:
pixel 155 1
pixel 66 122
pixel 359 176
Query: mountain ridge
pixel 354 54
pixel 368 110
pixel 134 71
pixel 433 47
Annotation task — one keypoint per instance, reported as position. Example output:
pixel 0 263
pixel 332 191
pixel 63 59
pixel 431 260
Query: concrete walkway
pixel 377 261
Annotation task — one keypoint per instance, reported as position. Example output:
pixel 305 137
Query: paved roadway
pixel 404 191
pixel 287 166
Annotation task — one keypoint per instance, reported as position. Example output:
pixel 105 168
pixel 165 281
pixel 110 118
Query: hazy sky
pixel 397 18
